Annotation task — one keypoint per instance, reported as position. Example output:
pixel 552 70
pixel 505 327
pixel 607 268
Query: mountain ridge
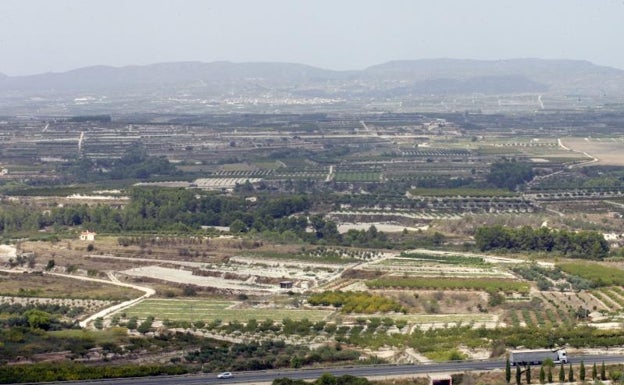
pixel 424 76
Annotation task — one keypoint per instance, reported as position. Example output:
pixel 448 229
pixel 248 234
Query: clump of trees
pixel 581 244
pixel 356 302
pixel 134 164
pixel 509 173
pixel 170 209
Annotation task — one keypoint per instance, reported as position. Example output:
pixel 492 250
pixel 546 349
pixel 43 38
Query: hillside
pixel 190 86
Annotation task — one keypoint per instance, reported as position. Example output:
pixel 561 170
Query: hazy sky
pixel 58 35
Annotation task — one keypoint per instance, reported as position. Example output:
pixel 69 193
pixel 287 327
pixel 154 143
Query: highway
pixel 267 376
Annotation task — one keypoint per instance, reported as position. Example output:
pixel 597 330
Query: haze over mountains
pixel 395 78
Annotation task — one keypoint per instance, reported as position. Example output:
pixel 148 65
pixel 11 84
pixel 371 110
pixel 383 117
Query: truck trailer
pixel 537 357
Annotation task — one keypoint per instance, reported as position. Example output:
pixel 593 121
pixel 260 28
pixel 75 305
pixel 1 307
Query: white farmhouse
pixel 87 236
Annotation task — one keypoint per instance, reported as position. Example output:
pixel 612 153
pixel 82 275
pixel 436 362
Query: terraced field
pixel 426 269
pixel 226 311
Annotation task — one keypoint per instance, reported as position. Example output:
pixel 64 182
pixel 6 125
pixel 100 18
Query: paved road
pixel 361 371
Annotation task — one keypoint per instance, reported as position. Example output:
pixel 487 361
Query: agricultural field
pixel 226 311
pixel 355 233
pixel 409 266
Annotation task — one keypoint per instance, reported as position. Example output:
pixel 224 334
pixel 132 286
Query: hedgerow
pixel 454 283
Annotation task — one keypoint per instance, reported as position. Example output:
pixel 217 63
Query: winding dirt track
pixel 603 151
pixel 114 281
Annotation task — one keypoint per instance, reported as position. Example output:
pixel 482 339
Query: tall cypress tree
pixel 550 379
pixel 594 372
pixel 528 374
pixel 561 373
pixel 507 371
pixel 603 372
pixel 582 372
pixel 571 374
pixel 542 375
pixel 518 375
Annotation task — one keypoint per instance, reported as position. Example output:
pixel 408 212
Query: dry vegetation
pixel 608 151
pixel 48 286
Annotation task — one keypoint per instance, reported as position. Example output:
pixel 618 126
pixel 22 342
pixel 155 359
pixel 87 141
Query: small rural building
pixel 87 236
pixel 286 285
pixel 440 380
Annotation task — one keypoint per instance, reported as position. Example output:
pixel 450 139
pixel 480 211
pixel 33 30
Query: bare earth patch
pixel 609 151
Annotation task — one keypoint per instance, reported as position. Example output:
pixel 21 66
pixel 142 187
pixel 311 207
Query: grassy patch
pixel 115 334
pixel 598 275
pixel 446 355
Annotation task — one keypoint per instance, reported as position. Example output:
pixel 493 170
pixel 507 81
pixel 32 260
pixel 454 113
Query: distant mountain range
pixel 392 79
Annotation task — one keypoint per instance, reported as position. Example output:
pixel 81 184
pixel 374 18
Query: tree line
pixel 162 209
pixel 581 244
pixel 152 209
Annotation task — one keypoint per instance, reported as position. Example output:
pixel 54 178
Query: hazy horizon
pixel 39 36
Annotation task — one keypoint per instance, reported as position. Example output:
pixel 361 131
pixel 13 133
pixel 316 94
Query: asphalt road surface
pixel 360 371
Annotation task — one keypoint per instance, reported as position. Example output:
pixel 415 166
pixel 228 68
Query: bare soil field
pixel 186 277
pixel 608 151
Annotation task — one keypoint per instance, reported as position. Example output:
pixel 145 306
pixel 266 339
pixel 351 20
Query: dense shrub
pixel 356 302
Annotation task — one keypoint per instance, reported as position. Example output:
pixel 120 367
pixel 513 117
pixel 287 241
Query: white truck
pixel 537 356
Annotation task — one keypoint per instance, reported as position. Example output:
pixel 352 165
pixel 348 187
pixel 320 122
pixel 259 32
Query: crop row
pixel 613 297
pixel 462 192
pixel 448 259
pixel 441 152
pixel 446 283
pixel 357 176
pixel 243 173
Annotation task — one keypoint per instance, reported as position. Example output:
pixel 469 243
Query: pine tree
pixel 603 372
pixel 528 374
pixel 571 374
pixel 550 379
pixel 518 375
pixel 582 372
pixel 542 375
pixel 594 372
pixel 508 371
pixel 561 373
